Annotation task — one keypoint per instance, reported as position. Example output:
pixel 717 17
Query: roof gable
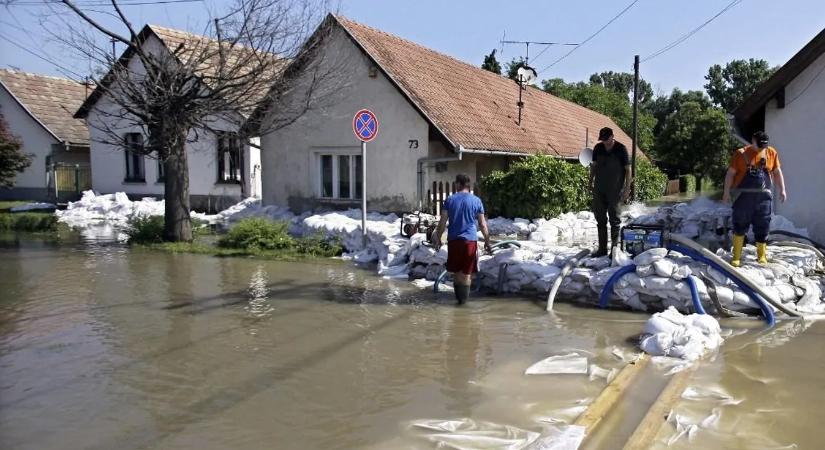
pixel 51 101
pixel 182 44
pixel 790 70
pixel 476 108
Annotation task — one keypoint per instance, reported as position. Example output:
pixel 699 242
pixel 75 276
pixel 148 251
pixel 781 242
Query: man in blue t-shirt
pixel 462 210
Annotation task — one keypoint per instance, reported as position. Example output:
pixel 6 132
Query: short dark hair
pixel 761 136
pixel 462 180
pixel 605 133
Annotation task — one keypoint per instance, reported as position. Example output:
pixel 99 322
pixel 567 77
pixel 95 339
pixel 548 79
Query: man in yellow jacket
pixel 753 171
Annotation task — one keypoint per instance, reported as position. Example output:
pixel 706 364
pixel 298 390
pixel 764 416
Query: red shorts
pixel 461 256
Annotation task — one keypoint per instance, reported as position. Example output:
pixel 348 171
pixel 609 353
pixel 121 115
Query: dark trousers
pixel 607 206
pixel 752 208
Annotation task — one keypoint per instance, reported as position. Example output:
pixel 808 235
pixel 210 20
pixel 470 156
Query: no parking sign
pixel 365 127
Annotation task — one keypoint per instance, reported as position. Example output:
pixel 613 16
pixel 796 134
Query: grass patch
pixel 149 229
pixel 5 206
pixel 31 222
pixel 252 237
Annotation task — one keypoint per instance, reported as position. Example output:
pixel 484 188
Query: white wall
pixel 796 133
pixel 108 161
pixel 289 155
pixel 36 140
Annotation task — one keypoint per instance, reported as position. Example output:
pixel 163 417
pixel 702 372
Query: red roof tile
pixel 476 108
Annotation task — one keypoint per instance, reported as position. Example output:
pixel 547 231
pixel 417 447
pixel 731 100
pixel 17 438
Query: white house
pixel 438 117
pixel 222 170
pixel 38 109
pixel 790 107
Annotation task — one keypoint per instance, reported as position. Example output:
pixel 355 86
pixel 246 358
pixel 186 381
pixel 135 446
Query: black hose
pixel 798 236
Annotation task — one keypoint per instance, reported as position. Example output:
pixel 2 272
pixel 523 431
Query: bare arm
pixel 482 225
pixel 779 179
pixel 628 181
pixel 442 224
pixel 728 183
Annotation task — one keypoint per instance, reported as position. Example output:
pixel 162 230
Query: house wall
pixel 31 184
pixel 289 156
pixel 795 133
pixel 108 161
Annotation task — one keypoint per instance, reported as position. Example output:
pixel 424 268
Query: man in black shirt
pixel 610 183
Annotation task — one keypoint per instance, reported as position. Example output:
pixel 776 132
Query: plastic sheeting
pixel 571 363
pixel 468 434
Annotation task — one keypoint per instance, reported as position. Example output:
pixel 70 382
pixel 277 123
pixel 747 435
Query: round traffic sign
pixel 365 125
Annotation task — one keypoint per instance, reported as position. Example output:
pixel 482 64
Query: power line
pixel 687 35
pixel 48 60
pixel 591 36
pixel 100 3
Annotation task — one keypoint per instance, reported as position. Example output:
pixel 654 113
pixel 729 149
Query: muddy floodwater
pixel 103 347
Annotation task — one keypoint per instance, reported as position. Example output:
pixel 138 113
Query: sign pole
pixel 364 192
pixel 365 127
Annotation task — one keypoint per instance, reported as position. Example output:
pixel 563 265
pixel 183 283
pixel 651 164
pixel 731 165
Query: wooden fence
pixel 68 181
pixel 438 194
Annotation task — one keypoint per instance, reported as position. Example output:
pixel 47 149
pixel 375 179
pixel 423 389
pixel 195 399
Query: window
pixel 161 172
pixel 229 158
pixel 340 176
pixel 134 158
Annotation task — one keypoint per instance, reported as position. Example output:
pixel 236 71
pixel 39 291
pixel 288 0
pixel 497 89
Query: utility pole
pixel 635 126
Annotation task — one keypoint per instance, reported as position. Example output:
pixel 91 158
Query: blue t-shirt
pixel 463 209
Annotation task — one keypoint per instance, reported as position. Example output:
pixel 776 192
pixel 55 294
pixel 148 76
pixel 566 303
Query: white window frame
pixel 353 153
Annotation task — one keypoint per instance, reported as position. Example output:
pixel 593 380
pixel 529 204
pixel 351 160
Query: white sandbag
pixel 682 272
pixel 670 333
pixel 620 258
pixel 664 267
pixel 650 256
pixel 645 271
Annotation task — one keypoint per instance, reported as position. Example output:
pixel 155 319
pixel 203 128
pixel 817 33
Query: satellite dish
pixel 527 74
pixel 586 156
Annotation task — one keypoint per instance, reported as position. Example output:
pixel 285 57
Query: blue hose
pixel 694 295
pixel 604 297
pixel 767 312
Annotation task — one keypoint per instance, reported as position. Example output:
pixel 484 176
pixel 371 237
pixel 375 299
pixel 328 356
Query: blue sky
pixel 468 30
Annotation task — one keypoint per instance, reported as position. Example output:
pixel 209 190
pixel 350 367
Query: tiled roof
pixel 476 108
pixel 50 100
pixel 184 45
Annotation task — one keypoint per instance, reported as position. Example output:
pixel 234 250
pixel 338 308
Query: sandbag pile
pixel 690 337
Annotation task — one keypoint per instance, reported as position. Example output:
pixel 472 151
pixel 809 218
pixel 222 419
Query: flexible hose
pixel 767 312
pixel 800 245
pixel 571 263
pixel 604 297
pixel 722 266
pixel 502 277
pixel 798 236
pixel 694 295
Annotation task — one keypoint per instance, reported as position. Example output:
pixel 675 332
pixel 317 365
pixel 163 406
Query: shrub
pixel 544 186
pixel 28 221
pixel 318 245
pixel 145 229
pixel 257 233
pixel 537 186
pixel 650 181
pixel 687 183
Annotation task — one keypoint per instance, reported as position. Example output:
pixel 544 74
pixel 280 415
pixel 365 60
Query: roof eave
pixel 790 70
pixel 452 142
pixel 31 114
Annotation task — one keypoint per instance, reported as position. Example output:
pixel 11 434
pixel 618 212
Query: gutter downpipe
pixel 420 174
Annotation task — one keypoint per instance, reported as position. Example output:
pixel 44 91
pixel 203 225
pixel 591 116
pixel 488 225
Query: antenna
pixel 527 46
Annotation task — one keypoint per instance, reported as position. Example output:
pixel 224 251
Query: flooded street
pixel 104 347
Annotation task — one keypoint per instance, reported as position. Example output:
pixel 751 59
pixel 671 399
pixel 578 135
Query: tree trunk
pixel 177 223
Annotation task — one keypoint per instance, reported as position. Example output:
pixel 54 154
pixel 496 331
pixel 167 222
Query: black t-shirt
pixel 609 167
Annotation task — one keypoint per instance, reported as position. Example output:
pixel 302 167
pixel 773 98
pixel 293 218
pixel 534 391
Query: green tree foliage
pixel 664 105
pixel 544 186
pixel 728 86
pixel 513 67
pixel 611 103
pixel 491 63
pixel 12 158
pixel 696 140
pixel 622 82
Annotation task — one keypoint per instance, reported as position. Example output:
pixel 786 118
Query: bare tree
pixel 174 86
